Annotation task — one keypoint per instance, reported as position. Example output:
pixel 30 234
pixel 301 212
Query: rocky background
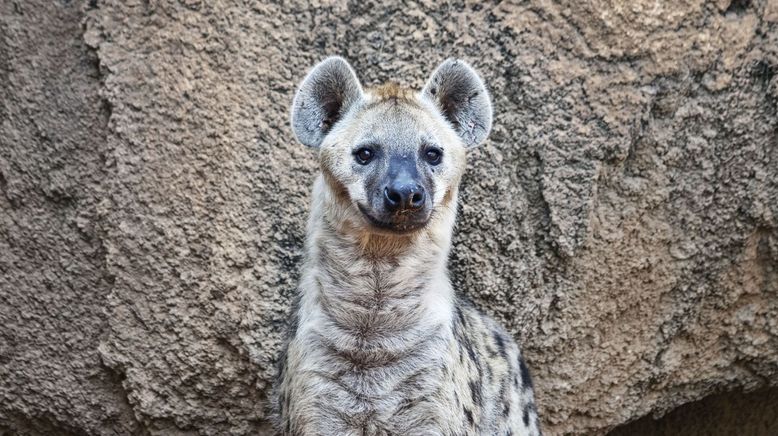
pixel 622 220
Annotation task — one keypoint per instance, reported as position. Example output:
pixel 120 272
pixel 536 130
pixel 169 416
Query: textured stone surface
pixel 53 283
pixel 621 221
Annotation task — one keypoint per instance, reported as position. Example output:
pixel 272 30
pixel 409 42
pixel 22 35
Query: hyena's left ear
pixel 462 98
pixel 324 96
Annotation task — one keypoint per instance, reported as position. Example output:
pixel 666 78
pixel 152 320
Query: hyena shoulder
pixel 493 374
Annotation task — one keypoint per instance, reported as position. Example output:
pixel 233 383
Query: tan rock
pixel 621 221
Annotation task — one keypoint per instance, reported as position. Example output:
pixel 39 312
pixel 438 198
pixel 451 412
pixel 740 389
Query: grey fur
pixel 324 96
pixel 380 344
pixel 462 97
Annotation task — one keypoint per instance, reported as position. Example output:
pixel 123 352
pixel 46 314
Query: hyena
pixel 380 344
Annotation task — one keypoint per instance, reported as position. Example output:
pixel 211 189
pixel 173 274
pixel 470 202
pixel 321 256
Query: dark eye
pixel 433 155
pixel 364 155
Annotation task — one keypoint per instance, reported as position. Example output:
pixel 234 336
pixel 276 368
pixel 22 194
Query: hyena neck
pixel 372 290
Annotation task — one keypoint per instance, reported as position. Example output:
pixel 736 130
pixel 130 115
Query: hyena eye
pixel 433 155
pixel 364 155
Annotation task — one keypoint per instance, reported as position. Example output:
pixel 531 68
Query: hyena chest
pixel 374 392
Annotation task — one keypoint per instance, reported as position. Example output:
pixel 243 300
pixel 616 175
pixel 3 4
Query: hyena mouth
pixel 396 223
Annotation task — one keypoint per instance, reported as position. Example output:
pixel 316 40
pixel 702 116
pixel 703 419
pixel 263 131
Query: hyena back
pixel 380 343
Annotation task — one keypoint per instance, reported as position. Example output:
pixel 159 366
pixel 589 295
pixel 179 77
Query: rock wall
pixel 622 220
pixel 54 284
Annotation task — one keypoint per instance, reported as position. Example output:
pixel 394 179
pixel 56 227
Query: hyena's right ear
pixel 324 96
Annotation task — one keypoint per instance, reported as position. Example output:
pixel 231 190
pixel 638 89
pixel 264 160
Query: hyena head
pixel 392 157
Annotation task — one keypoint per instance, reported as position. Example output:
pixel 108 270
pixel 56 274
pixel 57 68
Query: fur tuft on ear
pixel 324 96
pixel 462 98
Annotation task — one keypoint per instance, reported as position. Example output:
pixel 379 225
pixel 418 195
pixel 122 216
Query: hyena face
pixel 393 157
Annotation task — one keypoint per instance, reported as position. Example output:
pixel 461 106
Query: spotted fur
pixel 380 344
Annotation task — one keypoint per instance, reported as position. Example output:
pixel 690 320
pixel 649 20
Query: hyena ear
pixel 324 96
pixel 462 98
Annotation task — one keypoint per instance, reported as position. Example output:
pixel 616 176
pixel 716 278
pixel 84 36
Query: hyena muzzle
pixel 380 344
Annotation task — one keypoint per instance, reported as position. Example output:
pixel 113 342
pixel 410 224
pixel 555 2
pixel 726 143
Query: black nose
pixel 403 196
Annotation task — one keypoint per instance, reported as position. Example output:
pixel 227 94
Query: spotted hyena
pixel 380 344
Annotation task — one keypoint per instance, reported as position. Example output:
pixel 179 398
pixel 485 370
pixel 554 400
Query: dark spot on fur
pixel 461 316
pixel 471 352
pixel 525 416
pixel 500 344
pixel 492 351
pixel 525 377
pixel 406 404
pixel 468 415
pixel 506 409
pixel 475 392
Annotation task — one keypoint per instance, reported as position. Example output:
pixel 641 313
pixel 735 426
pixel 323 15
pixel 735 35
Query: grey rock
pixel 621 221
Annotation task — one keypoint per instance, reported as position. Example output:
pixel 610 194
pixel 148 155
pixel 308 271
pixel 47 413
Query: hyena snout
pixel 398 200
pixel 404 195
